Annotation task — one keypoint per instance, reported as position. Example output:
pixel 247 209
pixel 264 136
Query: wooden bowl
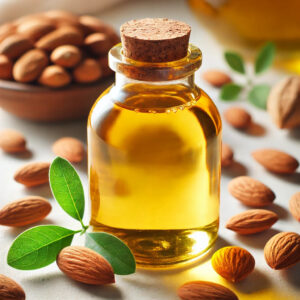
pixel 38 103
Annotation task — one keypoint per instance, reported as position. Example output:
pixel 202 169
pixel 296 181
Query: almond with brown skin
pixel 252 221
pixel 61 17
pixel 33 174
pixel 12 141
pixel 216 78
pixel 233 263
pixel 294 206
pixel 85 265
pixel 30 65
pixel 59 37
pixel 98 43
pixel 238 117
pixel 276 161
pixel 66 56
pixel 226 155
pixel 55 77
pixel 205 290
pixel 6 30
pixel 283 250
pixel 87 71
pixel 92 24
pixel 25 211
pixel 69 148
pixel 15 45
pixel 6 66
pixel 10 290
pixel 250 191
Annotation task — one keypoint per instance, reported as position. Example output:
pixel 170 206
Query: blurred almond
pixel 294 206
pixel 216 78
pixel 66 56
pixel 237 117
pixel 15 45
pixel 98 43
pixel 12 141
pixel 87 71
pixel 6 66
pixel 69 148
pixel 283 250
pixel 10 290
pixel 276 161
pixel 227 155
pixel 55 77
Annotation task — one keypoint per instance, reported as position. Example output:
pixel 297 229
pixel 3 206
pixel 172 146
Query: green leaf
pixel 258 95
pixel 38 247
pixel 235 61
pixel 265 58
pixel 114 250
pixel 67 188
pixel 230 91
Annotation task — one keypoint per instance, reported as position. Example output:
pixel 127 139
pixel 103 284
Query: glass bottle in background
pixel 154 141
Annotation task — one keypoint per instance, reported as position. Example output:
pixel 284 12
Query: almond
pixel 69 148
pixel 252 221
pixel 276 161
pixel 61 17
pixel 283 250
pixel 35 28
pixel 98 43
pixel 55 77
pixel 6 30
pixel 294 206
pixel 238 117
pixel 27 210
pixel 33 174
pixel 15 45
pixel 216 78
pixel 226 155
pixel 105 69
pixel 59 37
pixel 66 56
pixel 205 290
pixel 30 65
pixel 233 263
pixel 87 71
pixel 251 192
pixel 10 290
pixel 93 24
pixel 12 141
pixel 6 66
pixel 85 265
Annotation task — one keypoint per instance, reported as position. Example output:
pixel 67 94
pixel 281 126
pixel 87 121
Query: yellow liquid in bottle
pixel 154 163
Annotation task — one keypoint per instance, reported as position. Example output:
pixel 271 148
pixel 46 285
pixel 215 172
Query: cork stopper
pixel 155 40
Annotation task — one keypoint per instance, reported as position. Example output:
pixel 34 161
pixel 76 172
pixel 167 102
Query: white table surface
pixel 263 283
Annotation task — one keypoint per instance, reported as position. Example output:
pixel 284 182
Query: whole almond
pixel 238 117
pixel 61 17
pixel 85 265
pixel 15 45
pixel 33 174
pixel 66 56
pixel 69 148
pixel 294 206
pixel 283 250
pixel 10 290
pixel 6 30
pixel 6 66
pixel 276 161
pixel 12 141
pixel 252 221
pixel 27 210
pixel 87 71
pixel 30 65
pixel 216 78
pixel 251 192
pixel 98 43
pixel 93 24
pixel 226 155
pixel 55 77
pixel 59 37
pixel 205 290
pixel 233 263
pixel 35 28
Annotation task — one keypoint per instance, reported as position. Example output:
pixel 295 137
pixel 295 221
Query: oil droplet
pixel 168 111
pixel 136 110
pixel 174 109
pixel 181 107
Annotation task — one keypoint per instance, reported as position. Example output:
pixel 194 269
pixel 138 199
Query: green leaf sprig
pixel 257 94
pixel 39 246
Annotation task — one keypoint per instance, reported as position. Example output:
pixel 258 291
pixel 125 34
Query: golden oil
pixel 154 165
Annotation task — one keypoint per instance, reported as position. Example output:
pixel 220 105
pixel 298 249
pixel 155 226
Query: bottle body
pixel 154 169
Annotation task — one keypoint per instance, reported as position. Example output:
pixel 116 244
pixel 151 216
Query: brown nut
pixel 55 77
pixel 6 30
pixel 87 71
pixel 12 141
pixel 66 56
pixel 10 290
pixel 15 45
pixel 98 43
pixel 6 66
pixel 226 155
pixel 237 117
pixel 216 78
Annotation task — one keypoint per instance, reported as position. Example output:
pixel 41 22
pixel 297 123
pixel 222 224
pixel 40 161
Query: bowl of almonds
pixel 53 65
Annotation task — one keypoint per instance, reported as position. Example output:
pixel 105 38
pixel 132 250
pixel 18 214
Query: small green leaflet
pixel 258 95
pixel 265 58
pixel 230 91
pixel 114 250
pixel 235 61
pixel 38 247
pixel 67 188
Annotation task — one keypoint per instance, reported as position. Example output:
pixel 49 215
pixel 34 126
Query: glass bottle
pixel 154 140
